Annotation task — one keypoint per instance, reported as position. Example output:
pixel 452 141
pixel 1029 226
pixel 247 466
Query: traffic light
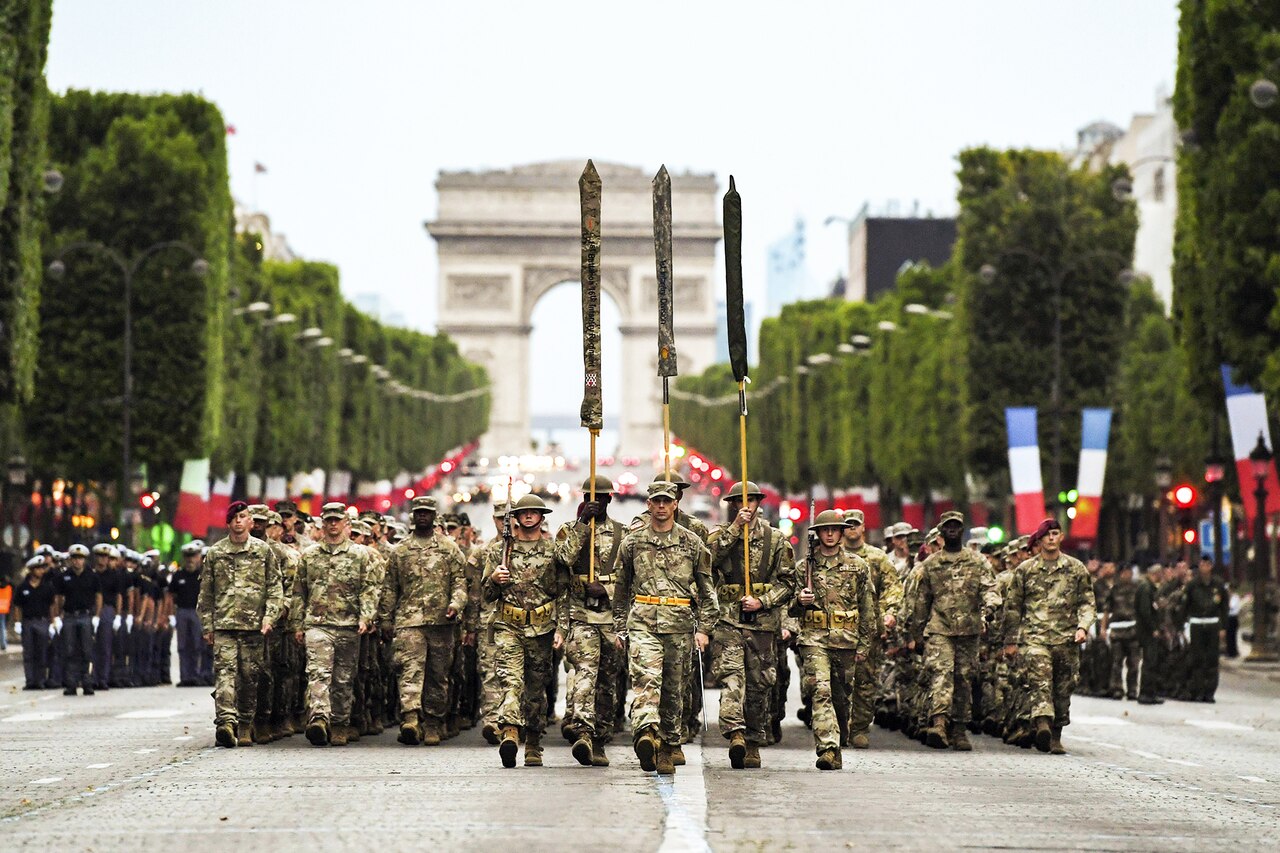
pixel 147 500
pixel 1184 496
pixel 1189 535
pixel 995 535
pixel 1067 499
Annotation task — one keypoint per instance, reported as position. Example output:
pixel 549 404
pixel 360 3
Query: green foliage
pixel 24 114
pixel 1227 251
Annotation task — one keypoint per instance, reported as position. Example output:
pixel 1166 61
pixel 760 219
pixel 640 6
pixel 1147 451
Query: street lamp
pixel 1215 469
pixel 128 268
pixel 1264 93
pixel 1260 466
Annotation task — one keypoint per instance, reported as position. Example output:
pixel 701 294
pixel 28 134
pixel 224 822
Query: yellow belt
pixel 662 599
pixel 735 590
pixel 536 617
pixel 831 618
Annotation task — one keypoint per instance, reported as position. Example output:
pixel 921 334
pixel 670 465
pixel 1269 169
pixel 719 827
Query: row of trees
pixel 909 392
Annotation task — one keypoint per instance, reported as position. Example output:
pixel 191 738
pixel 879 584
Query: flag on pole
pixel 1247 414
pixel 1024 468
pixel 193 498
pixel 1095 432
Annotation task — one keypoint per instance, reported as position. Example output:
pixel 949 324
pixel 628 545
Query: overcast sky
pixel 815 107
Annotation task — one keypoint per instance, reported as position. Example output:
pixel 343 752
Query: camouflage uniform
pixel 240 591
pixel 834 633
pixel 280 666
pixel 336 589
pixel 480 615
pixel 1121 609
pixel 425 578
pixel 662 577
pixel 744 655
pixel 1046 604
pixel 888 593
pixel 956 595
pixel 590 642
pixel 523 628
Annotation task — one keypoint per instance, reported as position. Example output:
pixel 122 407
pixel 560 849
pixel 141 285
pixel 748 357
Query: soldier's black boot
pixel 1044 734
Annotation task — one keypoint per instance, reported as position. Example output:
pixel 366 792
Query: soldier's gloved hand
pixel 53 632
pixel 589 510
pixel 128 622
pixel 596 589
pixel 173 621
pixel 115 623
pixel 56 627
pixel 96 621
pixel 17 628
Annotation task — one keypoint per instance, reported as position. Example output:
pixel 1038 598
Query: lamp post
pixel 1215 469
pixel 1164 479
pixel 1260 465
pixel 128 268
pixel 15 490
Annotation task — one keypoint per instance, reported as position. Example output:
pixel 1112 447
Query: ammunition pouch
pixel 534 618
pixel 831 619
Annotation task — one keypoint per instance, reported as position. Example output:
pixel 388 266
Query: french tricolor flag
pixel 1247 413
pixel 1095 431
pixel 1024 468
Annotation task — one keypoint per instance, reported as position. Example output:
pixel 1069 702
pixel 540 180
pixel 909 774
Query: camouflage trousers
pixel 950 663
pixel 267 676
pixel 287 672
pixel 423 656
pixel 237 666
pixel 490 688
pixel 746 665
pixel 1125 651
pixel 862 699
pixel 659 670
pixel 594 660
pixel 824 669
pixel 1051 673
pixel 523 666
pixel 331 668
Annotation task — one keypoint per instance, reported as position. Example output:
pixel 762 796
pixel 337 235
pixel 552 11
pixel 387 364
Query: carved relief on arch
pixel 539 280
pixel 478 291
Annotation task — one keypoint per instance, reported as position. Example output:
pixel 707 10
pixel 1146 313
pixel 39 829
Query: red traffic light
pixel 1189 536
pixel 148 500
pixel 1184 496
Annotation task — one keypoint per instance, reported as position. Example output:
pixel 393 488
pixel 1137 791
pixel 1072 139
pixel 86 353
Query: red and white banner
pixel 1247 413
pixel 1095 432
pixel 193 498
pixel 219 501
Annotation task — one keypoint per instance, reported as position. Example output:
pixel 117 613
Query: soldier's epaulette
pixel 636 524
pixel 563 533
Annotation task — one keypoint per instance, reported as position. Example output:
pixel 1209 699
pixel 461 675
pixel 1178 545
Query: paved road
pixel 137 768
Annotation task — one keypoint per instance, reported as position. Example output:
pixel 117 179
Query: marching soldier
pixel 586 623
pixel 954 601
pixel 1206 600
pixel 479 619
pixel 335 601
pixel 888 595
pixel 525 586
pixel 1147 614
pixel 423 595
pixel 1050 602
pixel 839 617
pixel 240 598
pixel 745 659
pixel 1120 629
pixel 663 572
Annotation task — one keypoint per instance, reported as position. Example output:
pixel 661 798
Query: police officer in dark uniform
pixel 79 602
pixel 33 610
pixel 1206 601
pixel 110 618
pixel 184 590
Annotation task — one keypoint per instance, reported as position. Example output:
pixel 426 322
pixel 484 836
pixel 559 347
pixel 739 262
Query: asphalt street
pixel 138 769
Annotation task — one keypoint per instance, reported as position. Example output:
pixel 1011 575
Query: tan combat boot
pixel 262 730
pixel 582 750
pixel 490 734
pixel 339 735
pixel 737 750
pixel 225 735
pixel 839 761
pixel 646 746
pixel 826 760
pixel 410 732
pixel 860 740
pixel 598 758
pixel 662 762
pixel 677 755
pixel 1055 742
pixel 509 746
pixel 532 750
pixel 353 733
pixel 936 734
pixel 751 760
pixel 318 731
pixel 1044 734
pixel 244 734
pixel 431 734
pixel 960 739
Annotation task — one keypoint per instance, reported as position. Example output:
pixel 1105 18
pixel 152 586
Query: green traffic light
pixel 1062 497
pixel 995 534
pixel 1072 496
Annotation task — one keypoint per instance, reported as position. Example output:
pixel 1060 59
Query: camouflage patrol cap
pixel 464 520
pixel 670 491
pixel 951 515
pixel 1022 543
pixel 854 516
pixel 828 518
pixel 286 507
pixel 333 509
pixel 673 477
pixel 362 527
pixel 902 528
pixel 370 515
pixel 423 503
pixel 273 517
pixel 932 534
pixel 604 486
pixel 734 492
pixel 449 521
pixel 259 512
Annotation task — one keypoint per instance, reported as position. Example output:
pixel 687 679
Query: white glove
pixel 128 622
pixel 17 628
pixel 115 623
pixel 173 621
pixel 56 627
pixel 53 632
pixel 96 622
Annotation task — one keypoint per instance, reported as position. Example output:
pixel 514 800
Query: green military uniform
pixel 744 654
pixel 1205 604
pixel 1147 612
pixel 241 592
pixel 662 578
pixel 888 592
pixel 1047 603
pixel 1121 626
pixel 336 592
pixel 479 617
pixel 425 581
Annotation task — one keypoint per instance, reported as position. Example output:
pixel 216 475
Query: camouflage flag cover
pixel 592 412
pixel 733 281
pixel 666 289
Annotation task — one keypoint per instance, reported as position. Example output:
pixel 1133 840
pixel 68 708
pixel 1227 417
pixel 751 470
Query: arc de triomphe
pixel 506 238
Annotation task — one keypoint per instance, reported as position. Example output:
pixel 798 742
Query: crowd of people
pixel 341 626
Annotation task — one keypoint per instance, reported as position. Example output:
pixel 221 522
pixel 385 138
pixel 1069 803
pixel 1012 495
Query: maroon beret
pixel 1045 526
pixel 235 509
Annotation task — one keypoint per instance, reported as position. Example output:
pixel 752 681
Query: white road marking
pixel 149 714
pixel 685 798
pixel 1257 779
pixel 1218 725
pixel 185 737
pixel 1106 745
pixel 1144 754
pixel 48 780
pixel 1183 763
pixel 149 751
pixel 1099 721
pixel 35 717
pixel 103 766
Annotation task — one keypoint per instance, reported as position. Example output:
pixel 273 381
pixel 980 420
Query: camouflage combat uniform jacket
pixel 337 586
pixel 1048 601
pixel 240 586
pixel 479 613
pixel 884 578
pixel 425 576
pixel 956 595
pixel 289 559
pixel 528 603
pixel 844 610
pixel 773 574
pixel 670 565
pixel 573 549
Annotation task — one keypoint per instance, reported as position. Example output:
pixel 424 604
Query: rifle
pixel 811 557
pixel 508 532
